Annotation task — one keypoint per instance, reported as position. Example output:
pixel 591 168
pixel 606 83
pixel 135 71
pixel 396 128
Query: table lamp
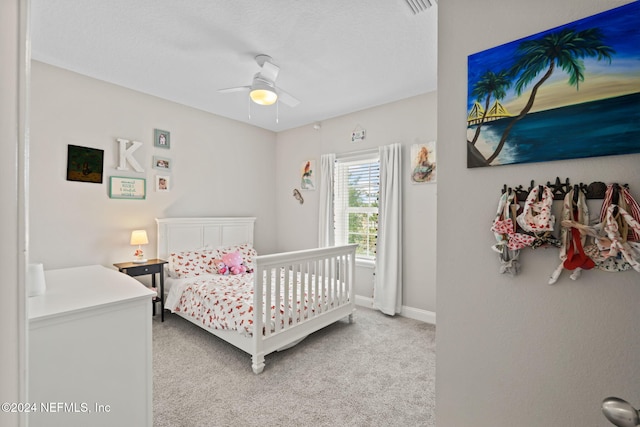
pixel 139 237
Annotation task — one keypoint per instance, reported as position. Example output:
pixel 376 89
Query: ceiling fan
pixel 263 90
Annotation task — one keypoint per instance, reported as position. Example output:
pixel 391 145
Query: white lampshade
pixel 139 237
pixel 262 93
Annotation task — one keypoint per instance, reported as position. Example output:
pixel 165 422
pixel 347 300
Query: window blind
pixel 357 188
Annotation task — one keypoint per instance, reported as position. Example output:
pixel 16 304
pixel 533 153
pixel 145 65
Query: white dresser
pixel 90 361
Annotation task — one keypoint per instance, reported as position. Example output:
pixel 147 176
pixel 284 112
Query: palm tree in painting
pixel 564 49
pixel 490 84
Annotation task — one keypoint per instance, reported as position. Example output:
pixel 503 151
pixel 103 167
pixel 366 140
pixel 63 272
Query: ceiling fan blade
pixel 234 89
pixel 287 98
pixel 269 71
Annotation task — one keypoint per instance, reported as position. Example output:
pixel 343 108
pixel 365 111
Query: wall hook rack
pixel 594 190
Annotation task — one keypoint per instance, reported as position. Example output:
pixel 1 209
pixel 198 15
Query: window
pixel 357 186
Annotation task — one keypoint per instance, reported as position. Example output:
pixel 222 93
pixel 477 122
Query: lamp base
pixel 140 261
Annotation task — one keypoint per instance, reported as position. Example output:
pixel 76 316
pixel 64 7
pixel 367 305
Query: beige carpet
pixel 379 371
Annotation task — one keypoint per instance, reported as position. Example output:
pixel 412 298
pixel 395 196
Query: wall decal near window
pixel 161 138
pixel 569 92
pixel 121 187
pixel 162 163
pixel 307 175
pixel 84 164
pixel 162 183
pixel 423 162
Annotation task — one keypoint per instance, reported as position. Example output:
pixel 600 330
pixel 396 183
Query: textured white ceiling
pixel 335 56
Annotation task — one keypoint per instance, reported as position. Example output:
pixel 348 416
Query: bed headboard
pixel 182 234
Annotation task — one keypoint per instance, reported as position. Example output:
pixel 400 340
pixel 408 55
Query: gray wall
pixel 516 351
pixel 407 122
pixel 221 167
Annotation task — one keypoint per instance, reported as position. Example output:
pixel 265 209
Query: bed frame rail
pixel 322 280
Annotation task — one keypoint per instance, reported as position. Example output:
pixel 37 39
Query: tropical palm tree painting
pixel 569 92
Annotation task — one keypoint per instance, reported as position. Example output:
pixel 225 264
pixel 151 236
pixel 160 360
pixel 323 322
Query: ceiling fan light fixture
pixel 262 93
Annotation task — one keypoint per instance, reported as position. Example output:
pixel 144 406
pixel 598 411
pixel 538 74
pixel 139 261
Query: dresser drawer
pixel 142 269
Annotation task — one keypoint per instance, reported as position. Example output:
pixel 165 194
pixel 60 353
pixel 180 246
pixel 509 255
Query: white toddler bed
pixel 313 288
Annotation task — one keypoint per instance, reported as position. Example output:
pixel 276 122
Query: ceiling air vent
pixel 418 6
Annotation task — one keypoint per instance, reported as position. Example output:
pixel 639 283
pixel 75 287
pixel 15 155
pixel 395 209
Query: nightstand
pixel 153 266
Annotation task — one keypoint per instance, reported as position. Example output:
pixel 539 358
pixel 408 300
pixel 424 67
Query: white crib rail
pixel 326 278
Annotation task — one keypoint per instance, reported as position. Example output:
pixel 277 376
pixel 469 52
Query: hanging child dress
pixel 574 213
pixel 508 241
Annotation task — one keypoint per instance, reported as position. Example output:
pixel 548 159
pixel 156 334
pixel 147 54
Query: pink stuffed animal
pixel 234 260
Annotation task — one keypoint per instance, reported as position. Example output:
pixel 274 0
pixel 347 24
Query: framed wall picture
pixel 162 183
pixel 565 93
pixel 161 138
pixel 84 164
pixel 121 187
pixel 423 162
pixel 162 163
pixel 307 175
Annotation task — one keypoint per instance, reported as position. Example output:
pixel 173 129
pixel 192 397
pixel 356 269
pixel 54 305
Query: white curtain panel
pixel 325 229
pixel 387 296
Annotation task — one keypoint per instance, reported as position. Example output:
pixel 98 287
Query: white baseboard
pixel 364 301
pixel 418 314
pixel 410 312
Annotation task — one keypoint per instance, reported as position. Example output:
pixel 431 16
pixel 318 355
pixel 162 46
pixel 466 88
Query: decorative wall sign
pixel 161 138
pixel 423 162
pixel 162 183
pixel 84 164
pixel 127 188
pixel 307 177
pixel 569 92
pixel 358 135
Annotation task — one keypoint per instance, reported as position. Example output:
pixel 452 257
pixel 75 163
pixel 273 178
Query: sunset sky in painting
pixel 602 79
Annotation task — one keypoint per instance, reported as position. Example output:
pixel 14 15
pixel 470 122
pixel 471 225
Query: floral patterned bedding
pixel 200 262
pixel 225 302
